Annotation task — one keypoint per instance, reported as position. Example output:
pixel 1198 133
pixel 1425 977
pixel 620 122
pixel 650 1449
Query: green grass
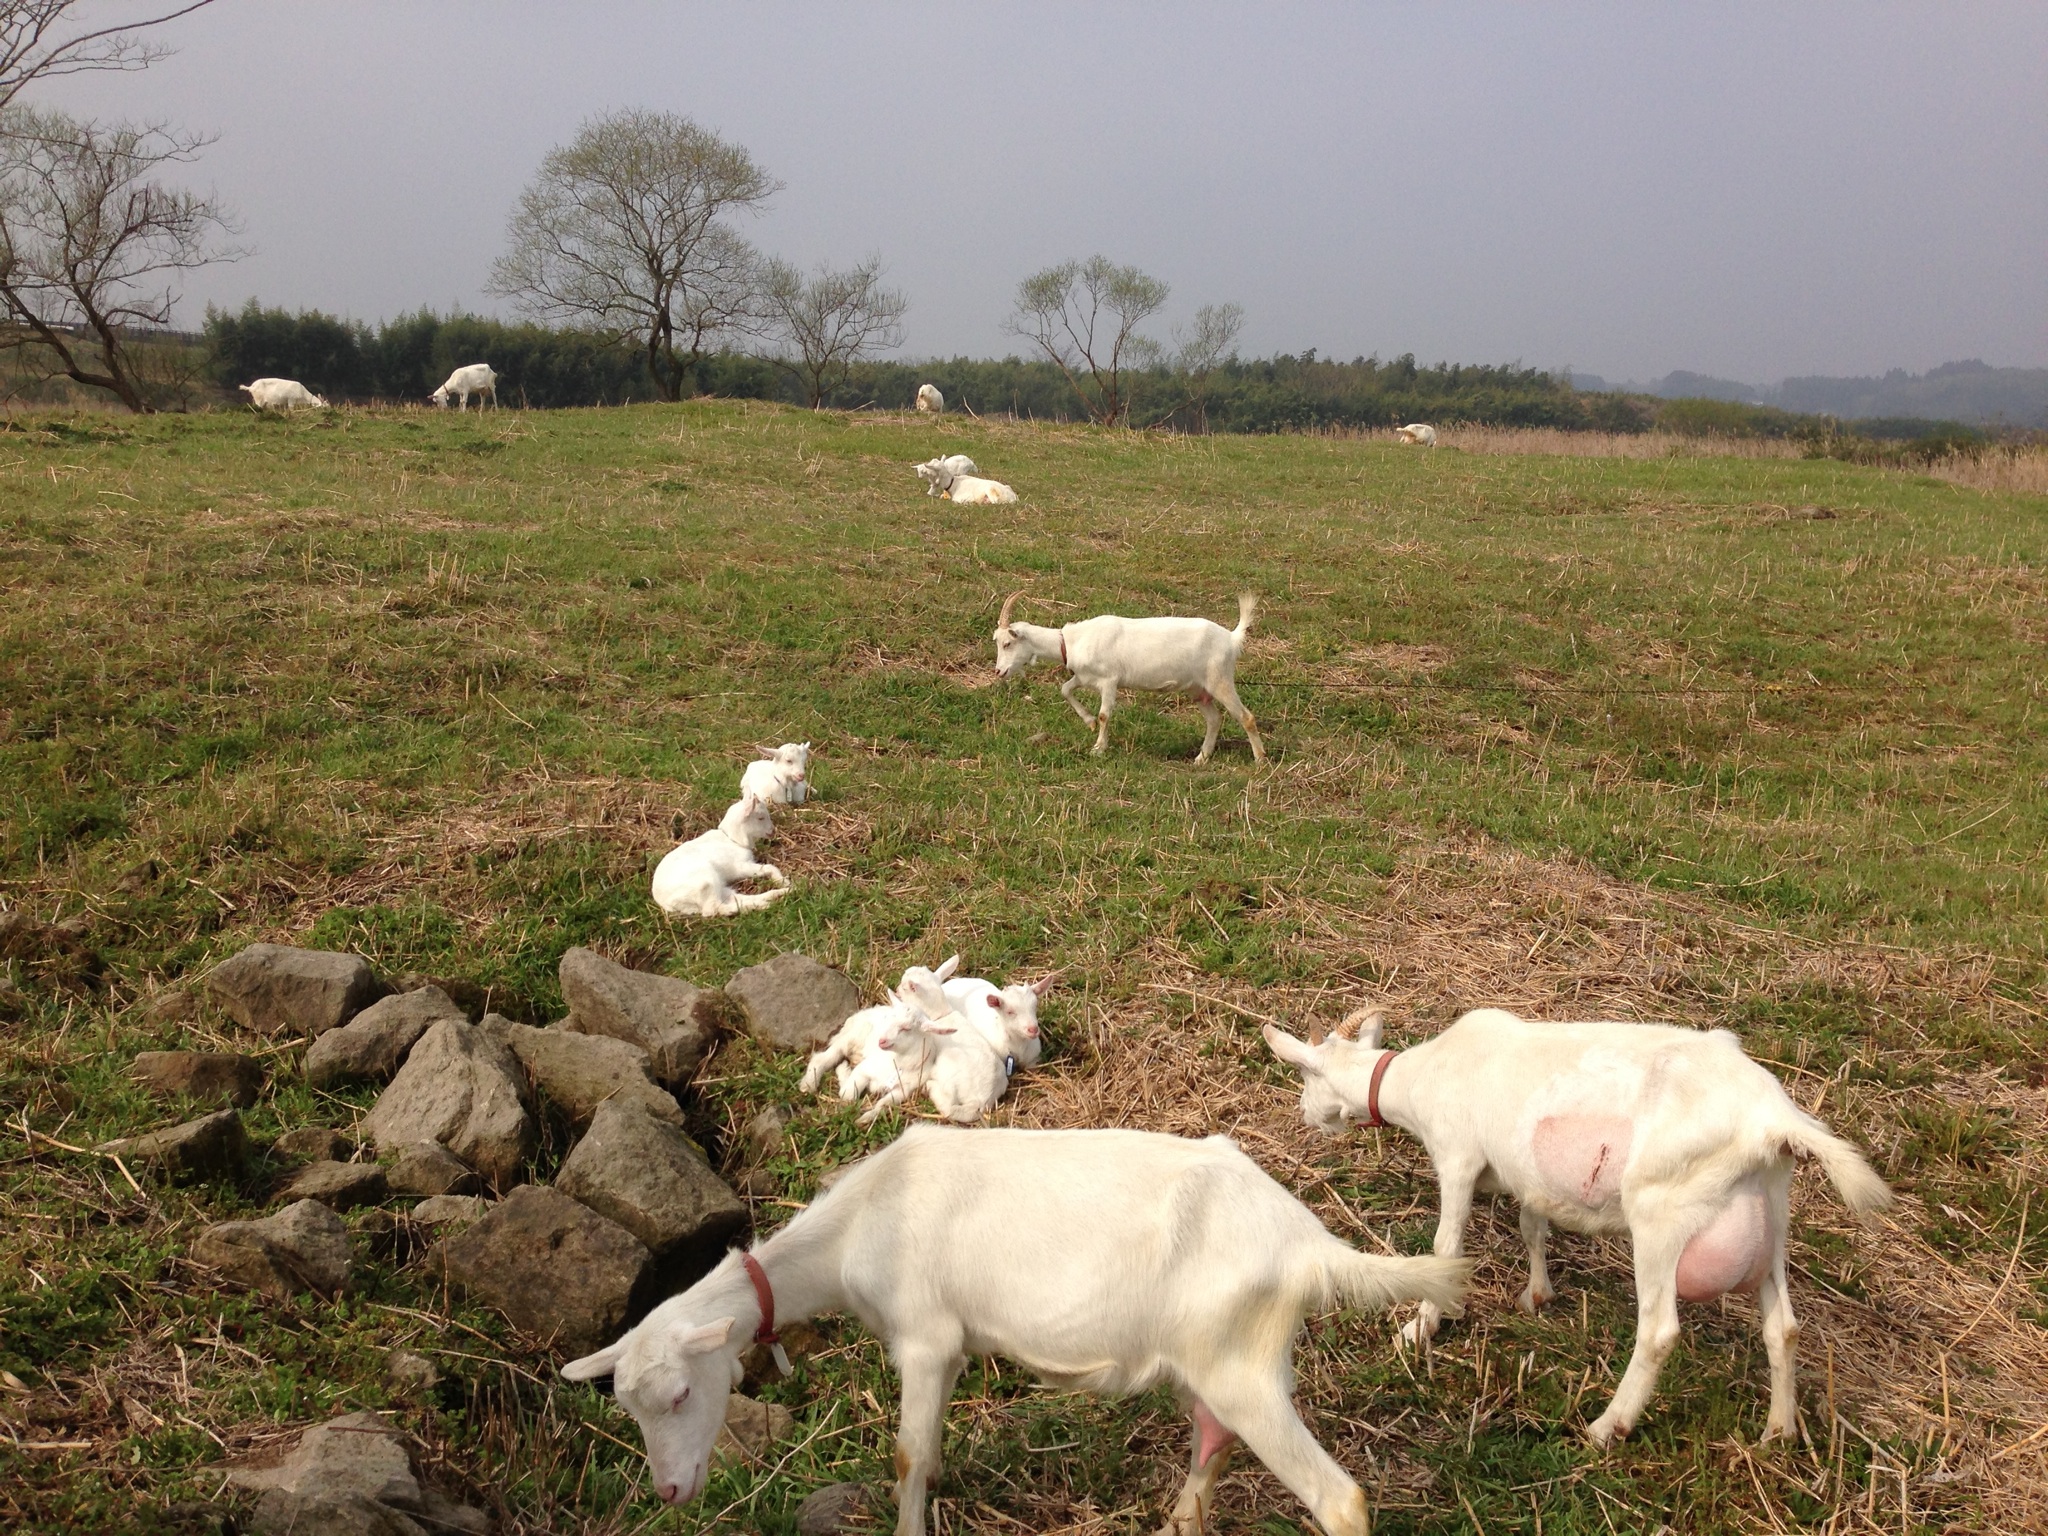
pixel 440 689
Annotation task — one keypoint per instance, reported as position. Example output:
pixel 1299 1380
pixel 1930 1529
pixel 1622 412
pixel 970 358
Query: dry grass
pixel 2016 469
pixel 1612 445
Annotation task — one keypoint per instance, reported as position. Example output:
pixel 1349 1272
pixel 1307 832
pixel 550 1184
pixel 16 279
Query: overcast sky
pixel 1748 190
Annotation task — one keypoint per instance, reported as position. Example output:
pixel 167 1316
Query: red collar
pixel 765 1334
pixel 1372 1093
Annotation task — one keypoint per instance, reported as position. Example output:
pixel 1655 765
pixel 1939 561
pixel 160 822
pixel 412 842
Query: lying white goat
pixel 1006 1017
pixel 1164 655
pixel 1103 1261
pixel 697 878
pixel 972 490
pixel 930 400
pixel 863 1067
pixel 779 778
pixel 279 394
pixel 1416 432
pixel 1673 1136
pixel 477 379
pixel 940 1055
pixel 939 474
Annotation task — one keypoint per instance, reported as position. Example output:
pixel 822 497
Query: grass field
pixel 1744 742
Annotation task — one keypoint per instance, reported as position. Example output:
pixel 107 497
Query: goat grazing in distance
pixel 478 379
pixel 930 401
pixel 279 395
pixel 1416 433
pixel 1103 1261
pixel 1192 656
pixel 1671 1135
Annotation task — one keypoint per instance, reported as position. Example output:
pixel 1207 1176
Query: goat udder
pixel 1729 1253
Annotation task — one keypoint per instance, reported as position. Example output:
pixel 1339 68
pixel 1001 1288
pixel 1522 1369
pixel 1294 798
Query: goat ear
pixel 698 1341
pixel 1044 984
pixel 590 1367
pixel 947 967
pixel 1290 1050
pixel 765 751
pixel 1364 1025
pixel 941 1029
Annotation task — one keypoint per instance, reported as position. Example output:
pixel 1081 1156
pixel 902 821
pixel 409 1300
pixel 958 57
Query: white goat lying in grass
pixel 1416 433
pixel 697 878
pixel 1162 655
pixel 1103 1261
pixel 972 490
pixel 279 395
pixel 938 474
pixel 779 778
pixel 1673 1136
pixel 1006 1017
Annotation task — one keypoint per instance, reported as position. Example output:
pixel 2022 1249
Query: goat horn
pixel 1003 622
pixel 1348 1030
pixel 1315 1033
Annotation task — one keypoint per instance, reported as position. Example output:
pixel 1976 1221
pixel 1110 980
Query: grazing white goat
pixel 1102 1261
pixel 279 394
pixel 779 778
pixel 1671 1135
pixel 1416 432
pixel 1163 655
pixel 1006 1017
pixel 939 474
pixel 972 490
pixel 477 379
pixel 697 877
pixel 930 400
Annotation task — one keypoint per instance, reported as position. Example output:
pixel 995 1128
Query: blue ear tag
pixel 1009 1066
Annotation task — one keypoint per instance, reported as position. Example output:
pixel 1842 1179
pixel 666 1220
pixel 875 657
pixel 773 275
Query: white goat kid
pixel 1162 655
pixel 861 1067
pixel 930 401
pixel 1006 1017
pixel 943 1057
pixel 1671 1135
pixel 938 475
pixel 1102 1261
pixel 972 490
pixel 279 395
pixel 779 778
pixel 477 379
pixel 1416 433
pixel 697 878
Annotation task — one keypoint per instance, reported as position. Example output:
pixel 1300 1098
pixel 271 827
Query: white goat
pixel 940 1055
pixel 862 1066
pixel 1164 655
pixel 1102 1261
pixel 697 877
pixel 477 379
pixel 1416 432
pixel 930 400
pixel 779 778
pixel 1671 1135
pixel 972 490
pixel 279 394
pixel 1006 1017
pixel 939 474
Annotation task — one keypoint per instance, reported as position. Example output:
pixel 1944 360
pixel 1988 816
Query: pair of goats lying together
pixel 958 1039
pixel 956 478
pixel 698 878
pixel 1111 1261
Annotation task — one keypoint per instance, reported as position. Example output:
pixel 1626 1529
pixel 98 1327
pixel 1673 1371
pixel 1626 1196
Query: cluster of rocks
pixel 352 1476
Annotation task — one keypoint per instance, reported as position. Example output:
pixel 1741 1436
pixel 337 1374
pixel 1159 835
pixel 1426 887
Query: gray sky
pixel 1750 190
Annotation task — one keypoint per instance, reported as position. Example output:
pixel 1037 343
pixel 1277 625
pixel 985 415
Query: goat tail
pixel 1247 610
pixel 1854 1179
pixel 1374 1283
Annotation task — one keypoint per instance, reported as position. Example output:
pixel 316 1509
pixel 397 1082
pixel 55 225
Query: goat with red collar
pixel 1191 656
pixel 1671 1135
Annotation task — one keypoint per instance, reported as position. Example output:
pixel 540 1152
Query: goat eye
pixel 681 1398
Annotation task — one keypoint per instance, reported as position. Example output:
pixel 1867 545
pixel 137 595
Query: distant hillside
pixel 1971 391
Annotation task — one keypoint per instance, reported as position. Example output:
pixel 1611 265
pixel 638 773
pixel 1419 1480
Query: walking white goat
pixel 779 778
pixel 697 878
pixel 1103 1261
pixel 1165 655
pixel 1673 1136
pixel 938 475
pixel 478 379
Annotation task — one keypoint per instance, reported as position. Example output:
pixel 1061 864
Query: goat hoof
pixel 1605 1430
pixel 1533 1301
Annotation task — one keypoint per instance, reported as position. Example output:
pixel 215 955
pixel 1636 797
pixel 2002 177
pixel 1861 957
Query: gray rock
pixel 173 1005
pixel 555 1268
pixel 281 1513
pixel 580 1072
pixel 371 1047
pixel 428 1168
pixel 303 1247
pixel 341 1186
pixel 792 1003
pixel 411 1374
pixel 449 1210
pixel 216 1076
pixel 461 1088
pixel 312 1144
pixel 651 1179
pixel 750 1430
pixel 213 1143
pixel 473 1000
pixel 274 988
pixel 831 1509
pixel 671 1020
pixel 351 1476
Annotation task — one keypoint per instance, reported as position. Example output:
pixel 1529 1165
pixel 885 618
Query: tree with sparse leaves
pixel 626 231
pixel 91 243
pixel 831 320
pixel 1209 341
pixel 42 39
pixel 1084 316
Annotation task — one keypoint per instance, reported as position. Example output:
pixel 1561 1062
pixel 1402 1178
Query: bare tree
pixel 623 231
pixel 828 322
pixel 1208 341
pixel 91 241
pixel 39 39
pixel 1084 316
